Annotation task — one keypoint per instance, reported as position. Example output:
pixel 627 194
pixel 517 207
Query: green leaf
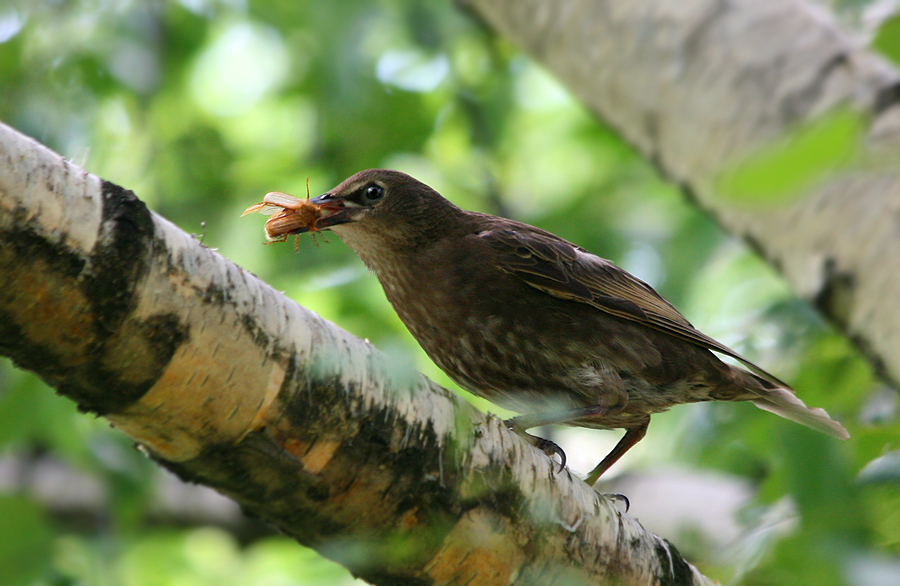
pixel 887 39
pixel 786 169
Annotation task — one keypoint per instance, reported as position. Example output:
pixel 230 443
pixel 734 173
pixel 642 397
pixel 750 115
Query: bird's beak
pixel 334 210
pixel 292 215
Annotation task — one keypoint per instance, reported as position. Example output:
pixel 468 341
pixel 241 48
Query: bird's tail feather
pixel 785 403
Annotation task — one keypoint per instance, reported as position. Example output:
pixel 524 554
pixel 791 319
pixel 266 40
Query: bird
pixel 535 323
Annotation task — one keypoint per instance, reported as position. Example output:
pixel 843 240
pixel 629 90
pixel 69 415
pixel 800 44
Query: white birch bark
pixel 227 383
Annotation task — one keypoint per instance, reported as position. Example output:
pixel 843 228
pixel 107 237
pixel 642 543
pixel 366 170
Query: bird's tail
pixel 782 401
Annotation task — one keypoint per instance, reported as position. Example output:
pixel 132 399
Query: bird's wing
pixel 561 269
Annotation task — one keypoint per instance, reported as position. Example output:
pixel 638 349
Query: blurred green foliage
pixel 782 172
pixel 887 38
pixel 202 106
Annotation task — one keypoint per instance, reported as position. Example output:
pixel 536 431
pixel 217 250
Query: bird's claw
pixel 619 497
pixel 548 447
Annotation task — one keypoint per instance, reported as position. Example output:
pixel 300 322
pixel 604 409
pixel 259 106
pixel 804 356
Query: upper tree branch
pixel 697 86
pixel 227 383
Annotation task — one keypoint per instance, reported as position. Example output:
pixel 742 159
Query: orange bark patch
pixel 319 455
pixel 34 288
pixel 481 550
pixel 196 402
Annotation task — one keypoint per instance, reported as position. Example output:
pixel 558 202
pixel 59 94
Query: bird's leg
pixel 632 436
pixel 523 422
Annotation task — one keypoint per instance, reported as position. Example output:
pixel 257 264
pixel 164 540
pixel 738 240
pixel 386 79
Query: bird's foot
pixel 619 497
pixel 548 447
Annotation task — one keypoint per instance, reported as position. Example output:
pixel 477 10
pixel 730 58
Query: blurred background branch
pixel 767 115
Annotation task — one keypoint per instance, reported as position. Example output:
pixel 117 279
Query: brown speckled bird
pixel 537 324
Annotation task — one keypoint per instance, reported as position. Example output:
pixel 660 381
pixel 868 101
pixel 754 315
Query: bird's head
pixel 384 208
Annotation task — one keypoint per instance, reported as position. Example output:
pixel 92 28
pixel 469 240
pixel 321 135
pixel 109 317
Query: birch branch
pixel 699 86
pixel 225 382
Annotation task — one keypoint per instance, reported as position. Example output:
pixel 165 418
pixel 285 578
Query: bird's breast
pixel 521 348
pixel 485 330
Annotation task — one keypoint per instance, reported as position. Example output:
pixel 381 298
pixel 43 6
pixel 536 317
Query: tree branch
pixel 227 383
pixel 698 87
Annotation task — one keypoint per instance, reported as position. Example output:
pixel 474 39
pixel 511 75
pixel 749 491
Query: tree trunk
pixel 704 86
pixel 227 383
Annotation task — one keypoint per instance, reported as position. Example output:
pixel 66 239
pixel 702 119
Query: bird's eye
pixel 373 192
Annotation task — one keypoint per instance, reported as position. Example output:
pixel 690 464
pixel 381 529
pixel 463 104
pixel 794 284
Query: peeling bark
pixel 225 382
pixel 697 86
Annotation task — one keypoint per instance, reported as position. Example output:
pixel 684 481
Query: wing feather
pixel 564 270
